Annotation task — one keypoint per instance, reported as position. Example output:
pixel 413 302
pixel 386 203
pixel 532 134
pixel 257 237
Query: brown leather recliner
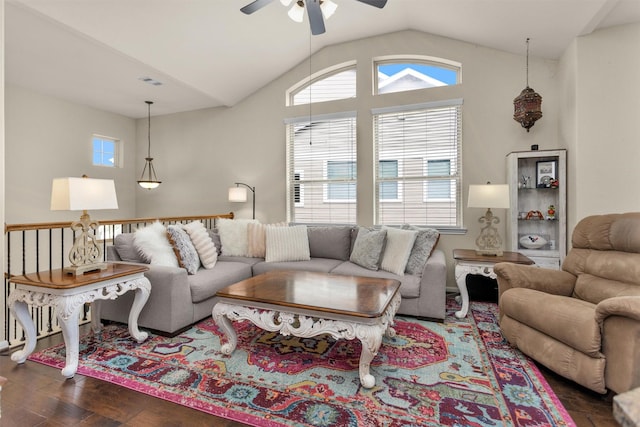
pixel 583 321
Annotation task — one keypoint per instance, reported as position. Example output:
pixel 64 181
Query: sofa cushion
pixel 183 248
pixel 233 236
pixel 566 319
pixel 426 241
pixel 397 250
pixel 203 243
pixel 125 247
pixel 409 285
pixel 330 242
pixel 287 244
pixel 206 283
pixel 322 265
pixel 368 248
pixel 153 244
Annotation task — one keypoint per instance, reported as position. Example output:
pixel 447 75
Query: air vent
pixel 151 81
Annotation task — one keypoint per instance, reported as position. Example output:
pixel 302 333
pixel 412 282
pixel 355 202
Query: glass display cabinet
pixel 537 219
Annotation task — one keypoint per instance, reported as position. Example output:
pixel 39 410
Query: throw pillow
pixel 203 243
pixel 185 251
pixel 397 250
pixel 256 236
pixel 368 248
pixel 287 244
pixel 126 248
pixel 233 236
pixel 330 242
pixel 426 241
pixel 215 236
pixel 152 243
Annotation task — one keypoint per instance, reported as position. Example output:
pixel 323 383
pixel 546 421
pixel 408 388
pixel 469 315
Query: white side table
pixel 468 262
pixel 67 294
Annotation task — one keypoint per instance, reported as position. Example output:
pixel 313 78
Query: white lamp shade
pixel 328 8
pixel 296 13
pixel 80 194
pixel 237 194
pixel 489 196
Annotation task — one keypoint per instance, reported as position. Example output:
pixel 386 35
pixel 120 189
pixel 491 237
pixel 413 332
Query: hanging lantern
pixel 528 105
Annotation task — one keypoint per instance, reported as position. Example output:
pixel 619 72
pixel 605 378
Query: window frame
pixel 117 151
pixel 414 59
pixel 323 74
pixel 456 176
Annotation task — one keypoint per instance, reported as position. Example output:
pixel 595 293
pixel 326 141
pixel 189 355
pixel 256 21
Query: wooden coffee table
pixel 307 304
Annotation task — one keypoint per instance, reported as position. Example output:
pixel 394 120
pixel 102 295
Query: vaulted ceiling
pixel 206 53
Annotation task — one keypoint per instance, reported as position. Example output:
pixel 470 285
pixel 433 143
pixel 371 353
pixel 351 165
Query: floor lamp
pixel 239 194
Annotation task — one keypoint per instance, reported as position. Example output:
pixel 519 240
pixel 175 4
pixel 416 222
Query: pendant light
pixel 528 105
pixel 149 180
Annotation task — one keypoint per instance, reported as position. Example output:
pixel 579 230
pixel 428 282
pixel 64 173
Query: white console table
pixel 67 294
pixel 468 262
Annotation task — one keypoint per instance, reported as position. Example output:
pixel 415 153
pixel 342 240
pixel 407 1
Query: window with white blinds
pixel 321 164
pixel 425 142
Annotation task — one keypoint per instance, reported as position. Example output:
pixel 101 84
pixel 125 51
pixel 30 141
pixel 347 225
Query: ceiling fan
pixel 314 10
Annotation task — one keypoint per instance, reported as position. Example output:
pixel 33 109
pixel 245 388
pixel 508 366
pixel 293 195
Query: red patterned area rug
pixel 457 373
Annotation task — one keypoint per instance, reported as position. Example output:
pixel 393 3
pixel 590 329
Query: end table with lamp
pixel 489 242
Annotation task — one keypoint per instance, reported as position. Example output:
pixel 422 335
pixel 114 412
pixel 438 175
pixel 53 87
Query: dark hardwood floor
pixel 37 395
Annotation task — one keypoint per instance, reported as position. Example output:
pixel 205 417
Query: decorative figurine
pixel 551 212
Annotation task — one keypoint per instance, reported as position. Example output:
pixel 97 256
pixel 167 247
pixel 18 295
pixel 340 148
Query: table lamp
pixel 489 196
pixel 83 194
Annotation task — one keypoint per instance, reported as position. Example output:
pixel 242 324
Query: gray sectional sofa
pixel 179 299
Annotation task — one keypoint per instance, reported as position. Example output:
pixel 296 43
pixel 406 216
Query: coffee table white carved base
pixel 307 323
pixel 67 304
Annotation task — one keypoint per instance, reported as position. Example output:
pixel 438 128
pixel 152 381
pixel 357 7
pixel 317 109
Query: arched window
pixel 327 85
pixel 396 74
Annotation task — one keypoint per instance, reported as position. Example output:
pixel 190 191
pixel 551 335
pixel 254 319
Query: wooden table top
pixel 57 279
pixel 470 255
pixel 330 293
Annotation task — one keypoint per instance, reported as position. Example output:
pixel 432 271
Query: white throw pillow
pixel 233 236
pixel 153 244
pixel 203 243
pixel 397 250
pixel 257 238
pixel 287 244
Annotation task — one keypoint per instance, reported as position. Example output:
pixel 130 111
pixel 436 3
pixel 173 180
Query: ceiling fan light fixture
pixel 328 8
pixel 296 13
pixel 285 3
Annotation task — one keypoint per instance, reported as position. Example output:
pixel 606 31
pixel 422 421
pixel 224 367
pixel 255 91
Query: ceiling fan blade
pixel 315 17
pixel 377 3
pixel 255 5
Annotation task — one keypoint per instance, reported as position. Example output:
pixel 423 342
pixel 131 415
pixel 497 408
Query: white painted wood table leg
pixel 68 309
pixel 139 300
pixel 371 339
pixel 96 318
pixel 461 281
pixel 219 314
pixel 20 310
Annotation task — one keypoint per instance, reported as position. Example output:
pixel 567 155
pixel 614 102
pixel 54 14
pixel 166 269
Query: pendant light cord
pixel 527 69
pixel 149 127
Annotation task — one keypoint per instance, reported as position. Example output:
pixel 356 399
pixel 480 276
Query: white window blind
pixel 321 164
pixel 339 85
pixel 426 141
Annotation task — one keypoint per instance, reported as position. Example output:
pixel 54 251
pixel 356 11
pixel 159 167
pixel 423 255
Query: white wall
pixel 601 110
pixel 47 138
